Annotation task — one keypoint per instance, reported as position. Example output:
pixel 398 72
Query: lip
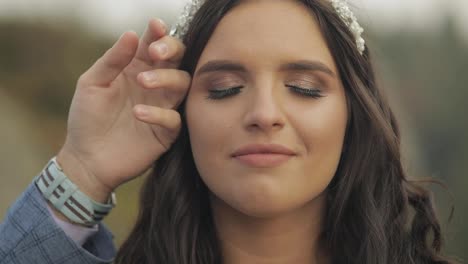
pixel 263 149
pixel 263 155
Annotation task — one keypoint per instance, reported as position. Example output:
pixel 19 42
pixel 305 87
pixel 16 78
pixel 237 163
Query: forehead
pixel 267 33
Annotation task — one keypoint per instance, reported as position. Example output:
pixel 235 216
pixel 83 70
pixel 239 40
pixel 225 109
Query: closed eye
pixel 314 93
pixel 216 94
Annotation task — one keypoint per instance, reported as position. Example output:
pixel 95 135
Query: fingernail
pixel 161 47
pixel 148 77
pixel 141 110
pixel 163 24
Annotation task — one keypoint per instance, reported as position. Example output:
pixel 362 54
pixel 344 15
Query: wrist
pixel 67 199
pixel 60 215
pixel 83 177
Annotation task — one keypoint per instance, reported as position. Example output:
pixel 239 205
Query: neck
pixel 291 237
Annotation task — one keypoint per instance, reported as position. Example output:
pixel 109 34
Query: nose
pixel 264 110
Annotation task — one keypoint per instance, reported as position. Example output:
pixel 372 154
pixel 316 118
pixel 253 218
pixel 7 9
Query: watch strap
pixel 66 197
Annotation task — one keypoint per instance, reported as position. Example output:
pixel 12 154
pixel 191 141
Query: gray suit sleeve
pixel 29 235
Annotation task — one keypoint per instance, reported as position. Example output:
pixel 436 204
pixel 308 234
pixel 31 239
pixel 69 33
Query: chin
pixel 260 201
pixel 258 211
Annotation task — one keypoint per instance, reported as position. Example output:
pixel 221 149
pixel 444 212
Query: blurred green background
pixel 424 72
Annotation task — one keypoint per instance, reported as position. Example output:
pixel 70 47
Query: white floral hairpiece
pixel 181 26
pixel 341 7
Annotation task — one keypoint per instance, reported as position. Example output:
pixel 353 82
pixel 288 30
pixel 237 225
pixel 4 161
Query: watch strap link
pixel 66 197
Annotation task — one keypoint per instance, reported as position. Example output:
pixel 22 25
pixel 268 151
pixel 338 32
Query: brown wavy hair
pixel 375 214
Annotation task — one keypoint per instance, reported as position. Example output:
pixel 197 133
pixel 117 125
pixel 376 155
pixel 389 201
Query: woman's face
pixel 265 77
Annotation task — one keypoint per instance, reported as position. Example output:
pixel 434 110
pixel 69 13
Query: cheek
pixel 322 133
pixel 209 130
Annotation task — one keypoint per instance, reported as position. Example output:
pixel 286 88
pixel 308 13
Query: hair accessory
pixel 348 17
pixel 180 28
pixel 341 7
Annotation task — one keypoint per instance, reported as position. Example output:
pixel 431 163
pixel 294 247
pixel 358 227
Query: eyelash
pixel 314 93
pixel 220 94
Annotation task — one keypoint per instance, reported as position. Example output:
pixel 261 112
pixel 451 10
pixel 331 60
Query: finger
pixel 166 118
pixel 155 30
pixel 112 63
pixel 168 49
pixel 172 79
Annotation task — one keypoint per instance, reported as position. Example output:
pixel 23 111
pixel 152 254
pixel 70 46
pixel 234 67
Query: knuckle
pixel 155 113
pixel 176 46
pixel 186 76
pixel 172 75
pixel 182 78
pixel 164 117
pixel 83 79
pixel 175 119
pixel 163 75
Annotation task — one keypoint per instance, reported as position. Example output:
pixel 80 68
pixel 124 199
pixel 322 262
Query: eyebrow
pixel 307 65
pixel 231 66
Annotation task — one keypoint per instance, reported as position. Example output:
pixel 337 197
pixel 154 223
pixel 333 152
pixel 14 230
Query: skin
pixel 122 117
pixel 268 214
pixel 262 215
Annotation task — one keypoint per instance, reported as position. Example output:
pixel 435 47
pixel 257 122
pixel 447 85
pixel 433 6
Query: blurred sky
pixel 117 16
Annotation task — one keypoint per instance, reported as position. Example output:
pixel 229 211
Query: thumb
pixel 111 64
